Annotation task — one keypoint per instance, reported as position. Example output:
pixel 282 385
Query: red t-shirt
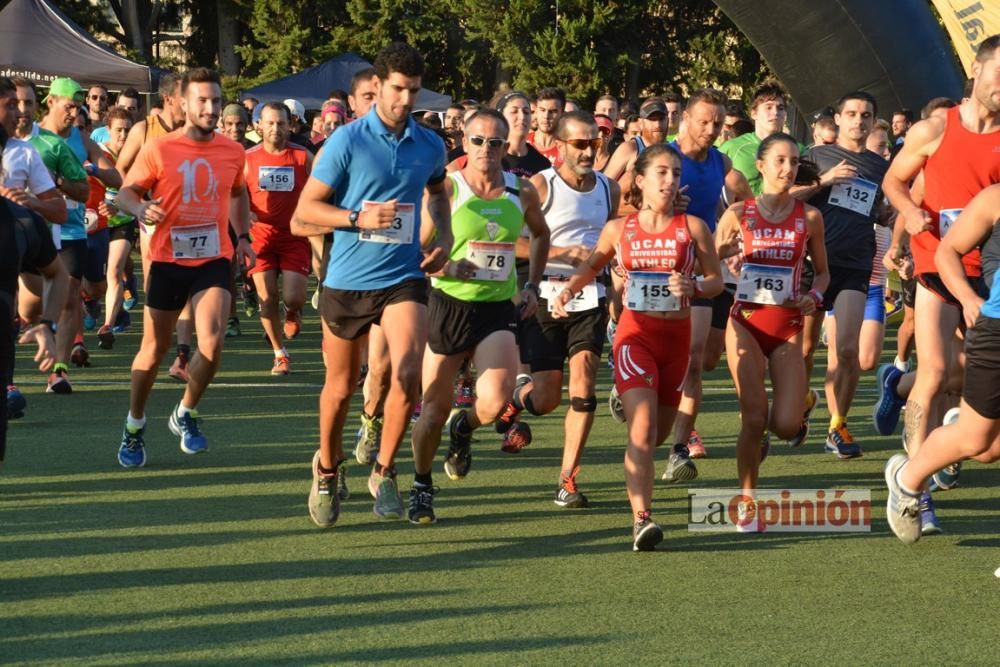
pixel 275 181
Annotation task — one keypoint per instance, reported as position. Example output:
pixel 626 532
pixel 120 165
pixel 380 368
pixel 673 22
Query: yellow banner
pixel 969 22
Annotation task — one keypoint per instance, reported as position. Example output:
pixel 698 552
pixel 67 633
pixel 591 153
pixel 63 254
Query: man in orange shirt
pixel 196 184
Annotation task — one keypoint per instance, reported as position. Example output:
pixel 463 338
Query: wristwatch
pixel 533 287
pixel 50 324
pixel 353 219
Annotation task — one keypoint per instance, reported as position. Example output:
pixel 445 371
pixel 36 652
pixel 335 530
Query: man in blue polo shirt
pixel 367 186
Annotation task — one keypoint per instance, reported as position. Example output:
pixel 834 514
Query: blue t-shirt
pixel 364 161
pixel 75 227
pixel 101 135
pixel 704 180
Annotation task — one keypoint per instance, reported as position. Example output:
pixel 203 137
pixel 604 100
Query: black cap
pixel 649 108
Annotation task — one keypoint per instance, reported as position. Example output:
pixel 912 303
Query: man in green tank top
pixel 471 312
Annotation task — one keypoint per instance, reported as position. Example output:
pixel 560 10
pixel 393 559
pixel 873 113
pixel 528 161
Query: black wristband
pixel 50 324
pixel 246 236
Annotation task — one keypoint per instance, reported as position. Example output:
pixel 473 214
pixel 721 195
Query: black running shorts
pixel 548 342
pixel 459 326
pixel 350 314
pixel 171 285
pixel 982 367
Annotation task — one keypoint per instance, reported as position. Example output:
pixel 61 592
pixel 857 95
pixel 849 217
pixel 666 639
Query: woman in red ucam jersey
pixel 774 232
pixel 657 249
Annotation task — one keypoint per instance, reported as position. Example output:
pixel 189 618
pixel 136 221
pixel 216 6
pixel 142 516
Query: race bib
pixel 493 260
pixel 195 241
pixel 650 291
pixel 587 298
pixel 771 285
pixel 856 195
pixel 946 218
pixel 276 179
pixel 401 230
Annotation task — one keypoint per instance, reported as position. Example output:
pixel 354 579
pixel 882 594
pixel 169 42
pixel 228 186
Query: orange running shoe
pixel 696 448
pixel 282 366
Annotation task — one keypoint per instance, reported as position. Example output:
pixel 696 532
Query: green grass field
pixel 213 560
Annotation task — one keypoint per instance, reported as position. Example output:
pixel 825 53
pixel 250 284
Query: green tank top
pixel 485 232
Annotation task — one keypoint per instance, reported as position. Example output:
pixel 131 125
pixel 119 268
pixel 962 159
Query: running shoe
pixel 368 439
pixel 105 338
pixel 130 295
pixel 803 433
pixel 885 412
pixel 314 302
pixel 459 457
pixel 132 450
pixel 465 393
pixel 517 437
pixel 946 478
pixel 422 505
pixel 91 313
pixel 193 441
pixel 568 495
pixel 324 501
pixel 16 402
pixel 293 324
pixel 251 304
pixel 615 405
pixel 59 382
pixel 929 524
pixel 839 441
pixel 646 534
pixel 902 509
pixel 80 356
pixel 178 369
pixel 388 504
pixel 342 491
pixel 610 335
pixel 696 448
pixel 282 366
pixel 747 519
pixel 507 419
pixel 233 328
pixel 680 467
pixel 122 322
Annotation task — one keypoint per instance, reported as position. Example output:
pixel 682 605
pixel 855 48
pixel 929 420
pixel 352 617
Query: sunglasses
pixel 492 142
pixel 98 97
pixel 584 144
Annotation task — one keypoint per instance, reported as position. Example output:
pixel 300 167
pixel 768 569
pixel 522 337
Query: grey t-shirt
pixel 849 209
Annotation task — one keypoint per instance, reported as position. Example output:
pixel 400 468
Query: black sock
pixel 462 424
pixel 681 448
pixel 183 350
pixel 326 471
pixel 424 480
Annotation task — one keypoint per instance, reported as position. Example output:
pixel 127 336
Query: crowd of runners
pixel 475 266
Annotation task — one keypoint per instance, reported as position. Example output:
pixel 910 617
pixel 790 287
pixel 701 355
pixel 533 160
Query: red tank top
pixel 963 164
pixel 274 182
pixel 775 243
pixel 552 152
pixel 671 250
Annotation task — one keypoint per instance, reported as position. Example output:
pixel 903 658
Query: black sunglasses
pixel 492 142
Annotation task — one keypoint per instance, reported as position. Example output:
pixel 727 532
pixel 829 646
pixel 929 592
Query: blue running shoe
pixel 122 322
pixel 16 402
pixel 130 293
pixel 192 439
pixel 885 412
pixel 132 451
pixel 929 524
pixel 839 441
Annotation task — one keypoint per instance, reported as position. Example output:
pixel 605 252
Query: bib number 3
pixel 401 229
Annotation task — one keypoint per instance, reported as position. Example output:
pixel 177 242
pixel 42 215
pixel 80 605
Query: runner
pixel 233 125
pixel 549 107
pixel 767 110
pixel 157 125
pixel 25 241
pixel 653 129
pixel 194 177
pixel 276 172
pixel 577 202
pixel 471 314
pixel 657 248
pixel 367 186
pixel 774 232
pixel 849 197
pixel 956 155
pixel 976 433
pixel 123 230
pixel 96 105
pixel 25 181
pixel 704 173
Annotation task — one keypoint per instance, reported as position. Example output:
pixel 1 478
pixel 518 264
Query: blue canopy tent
pixel 310 86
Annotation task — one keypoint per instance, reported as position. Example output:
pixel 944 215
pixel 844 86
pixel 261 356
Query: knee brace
pixel 588 404
pixel 524 402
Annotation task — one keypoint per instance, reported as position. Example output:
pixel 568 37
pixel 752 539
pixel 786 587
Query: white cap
pixel 295 108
